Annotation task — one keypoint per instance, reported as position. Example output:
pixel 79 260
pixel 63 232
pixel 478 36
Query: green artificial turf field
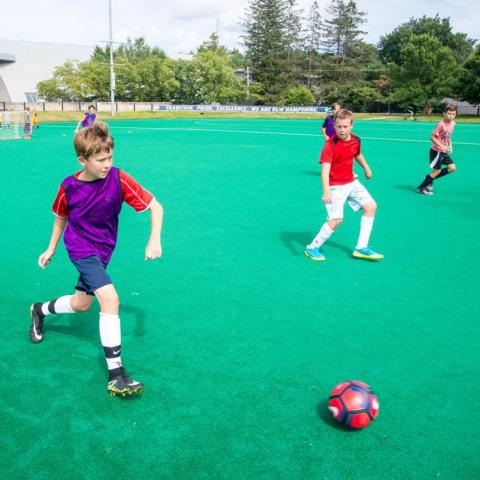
pixel 237 336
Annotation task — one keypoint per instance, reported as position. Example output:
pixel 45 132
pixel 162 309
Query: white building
pixel 24 64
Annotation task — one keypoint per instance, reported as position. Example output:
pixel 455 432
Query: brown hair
pixel 344 114
pixel 335 105
pixel 450 108
pixel 91 140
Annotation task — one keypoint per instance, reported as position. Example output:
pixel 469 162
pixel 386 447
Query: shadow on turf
pixel 315 174
pixel 296 241
pixel 408 188
pixel 324 414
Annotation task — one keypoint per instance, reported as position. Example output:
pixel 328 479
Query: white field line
pixel 256 132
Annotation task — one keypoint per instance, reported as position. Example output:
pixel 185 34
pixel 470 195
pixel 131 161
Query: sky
pixel 180 26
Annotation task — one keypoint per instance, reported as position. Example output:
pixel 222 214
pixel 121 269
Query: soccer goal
pixel 11 125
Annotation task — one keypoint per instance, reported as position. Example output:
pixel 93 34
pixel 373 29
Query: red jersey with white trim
pixel 133 194
pixel 340 154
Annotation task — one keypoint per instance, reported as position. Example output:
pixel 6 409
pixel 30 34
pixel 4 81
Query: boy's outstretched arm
pixel 360 159
pixel 154 246
pixel 58 228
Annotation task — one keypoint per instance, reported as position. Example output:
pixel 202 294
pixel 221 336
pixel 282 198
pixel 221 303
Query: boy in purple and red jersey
pixel 340 185
pixel 440 151
pixel 328 126
pixel 89 118
pixel 86 208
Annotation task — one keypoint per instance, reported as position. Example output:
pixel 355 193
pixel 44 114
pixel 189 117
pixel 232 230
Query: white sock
pixel 322 236
pixel 111 338
pixel 366 225
pixel 59 305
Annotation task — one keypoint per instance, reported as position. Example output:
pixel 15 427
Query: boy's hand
pixel 45 258
pixel 368 173
pixel 153 250
pixel 327 197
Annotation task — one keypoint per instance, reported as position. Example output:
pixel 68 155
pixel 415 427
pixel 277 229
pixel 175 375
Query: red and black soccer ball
pixel 353 404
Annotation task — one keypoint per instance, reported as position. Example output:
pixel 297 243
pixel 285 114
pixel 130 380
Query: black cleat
pixel 123 385
pixel 36 329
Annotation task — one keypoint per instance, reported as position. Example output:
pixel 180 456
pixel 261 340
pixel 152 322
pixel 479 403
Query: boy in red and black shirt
pixel 340 186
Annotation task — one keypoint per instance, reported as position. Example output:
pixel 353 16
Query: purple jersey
pixel 89 119
pixel 329 125
pixel 93 209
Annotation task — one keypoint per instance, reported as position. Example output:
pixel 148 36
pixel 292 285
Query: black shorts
pixel 93 274
pixel 437 159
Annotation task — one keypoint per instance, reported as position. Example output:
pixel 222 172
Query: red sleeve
pixel 134 194
pixel 59 207
pixel 327 153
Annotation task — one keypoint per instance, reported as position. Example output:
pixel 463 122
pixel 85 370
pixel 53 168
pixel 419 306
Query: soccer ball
pixel 353 404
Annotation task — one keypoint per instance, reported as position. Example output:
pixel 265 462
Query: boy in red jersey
pixel 340 185
pixel 440 151
pixel 87 207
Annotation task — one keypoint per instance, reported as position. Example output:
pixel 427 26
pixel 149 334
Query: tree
pixel 468 86
pixel 297 96
pixel 237 59
pixel 51 91
pixel 342 29
pixel 391 45
pixel 427 72
pixel 187 74
pixel 294 40
pixel 313 39
pixel 137 50
pixel 218 83
pixel 266 43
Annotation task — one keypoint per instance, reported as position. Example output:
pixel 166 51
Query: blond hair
pixel 343 114
pixel 91 140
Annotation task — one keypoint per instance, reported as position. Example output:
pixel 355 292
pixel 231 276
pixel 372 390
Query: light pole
pixel 112 72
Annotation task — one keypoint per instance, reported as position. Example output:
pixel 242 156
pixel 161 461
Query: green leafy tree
pixel 218 81
pixel 427 72
pixel 137 51
pixel 155 80
pixel 237 59
pixel 297 96
pixel 188 76
pixel 51 91
pixel 392 44
pixel 95 77
pixel 468 86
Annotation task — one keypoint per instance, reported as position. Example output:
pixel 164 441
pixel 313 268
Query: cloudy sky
pixel 180 26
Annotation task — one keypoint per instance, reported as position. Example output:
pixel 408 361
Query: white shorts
pixel 354 193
